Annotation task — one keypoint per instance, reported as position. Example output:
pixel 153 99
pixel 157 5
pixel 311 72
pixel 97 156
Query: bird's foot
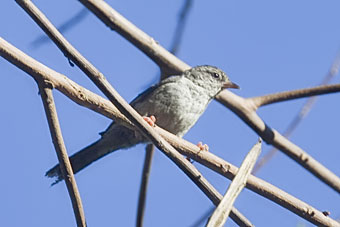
pixel 150 120
pixel 203 147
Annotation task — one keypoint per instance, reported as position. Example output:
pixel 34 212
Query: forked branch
pixel 245 110
pixel 94 102
pixel 302 113
pixel 143 127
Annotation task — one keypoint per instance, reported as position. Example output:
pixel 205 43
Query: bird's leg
pixel 203 147
pixel 150 120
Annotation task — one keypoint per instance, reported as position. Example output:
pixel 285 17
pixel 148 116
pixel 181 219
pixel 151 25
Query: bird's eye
pixel 216 75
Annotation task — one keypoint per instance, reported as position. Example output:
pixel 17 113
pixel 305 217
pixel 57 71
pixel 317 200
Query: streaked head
pixel 211 78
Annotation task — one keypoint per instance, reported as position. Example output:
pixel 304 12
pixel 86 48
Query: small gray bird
pixel 176 102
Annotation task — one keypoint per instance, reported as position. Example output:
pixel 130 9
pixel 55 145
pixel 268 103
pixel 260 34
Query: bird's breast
pixel 176 106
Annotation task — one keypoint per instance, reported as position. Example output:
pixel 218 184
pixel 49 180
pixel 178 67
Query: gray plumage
pixel 177 102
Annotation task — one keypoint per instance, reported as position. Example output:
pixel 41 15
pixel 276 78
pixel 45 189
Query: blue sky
pixel 264 46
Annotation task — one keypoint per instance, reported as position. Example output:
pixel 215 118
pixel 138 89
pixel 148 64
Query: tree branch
pixel 58 141
pixel 144 184
pixel 63 28
pixel 304 110
pixel 245 110
pixel 94 102
pixel 99 79
pixel 296 94
pixel 168 63
pixel 221 213
pixel 178 34
pixel 183 16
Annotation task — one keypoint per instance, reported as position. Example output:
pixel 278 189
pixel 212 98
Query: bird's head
pixel 210 78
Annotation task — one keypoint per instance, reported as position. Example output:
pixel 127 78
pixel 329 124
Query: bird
pixel 176 103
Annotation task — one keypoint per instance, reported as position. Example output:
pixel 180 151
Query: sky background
pixel 264 46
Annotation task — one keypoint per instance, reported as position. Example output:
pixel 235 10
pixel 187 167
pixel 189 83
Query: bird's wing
pixel 140 98
pixel 144 95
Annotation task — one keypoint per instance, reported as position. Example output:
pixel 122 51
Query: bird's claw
pixel 150 120
pixel 203 147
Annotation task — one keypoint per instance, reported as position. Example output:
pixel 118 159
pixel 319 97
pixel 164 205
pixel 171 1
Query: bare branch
pixel 63 28
pixel 221 213
pixel 305 109
pixel 203 218
pixel 257 185
pixel 290 95
pixel 99 79
pixel 245 110
pixel 183 16
pixel 92 101
pixel 168 63
pixel 144 184
pixel 58 141
pixel 178 34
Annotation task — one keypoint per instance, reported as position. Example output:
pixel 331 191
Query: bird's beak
pixel 230 84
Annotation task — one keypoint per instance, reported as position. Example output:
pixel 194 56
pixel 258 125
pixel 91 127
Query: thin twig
pixel 221 213
pixel 150 148
pixel 180 27
pixel 295 94
pixel 261 187
pixel 100 105
pixel 141 125
pixel 245 110
pixel 63 28
pixel 305 109
pixel 178 35
pixel 169 64
pixel 58 141
pixel 203 217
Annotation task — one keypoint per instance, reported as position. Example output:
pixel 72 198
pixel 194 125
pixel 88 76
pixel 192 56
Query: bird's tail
pixel 116 139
